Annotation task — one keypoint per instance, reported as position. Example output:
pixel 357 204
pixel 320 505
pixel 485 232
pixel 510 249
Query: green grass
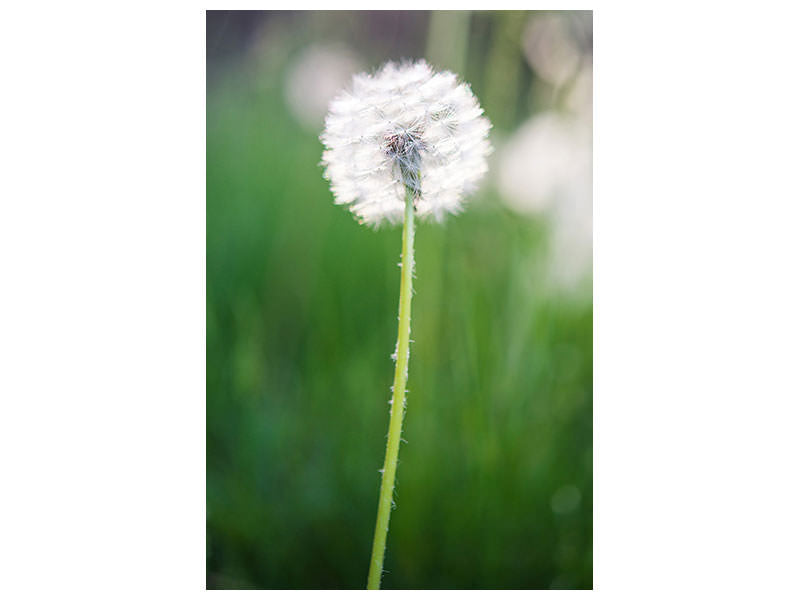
pixel 302 320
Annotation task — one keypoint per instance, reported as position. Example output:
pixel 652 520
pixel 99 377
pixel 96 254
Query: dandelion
pixel 406 129
pixel 405 142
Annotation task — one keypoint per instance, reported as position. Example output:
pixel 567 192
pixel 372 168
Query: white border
pixel 696 299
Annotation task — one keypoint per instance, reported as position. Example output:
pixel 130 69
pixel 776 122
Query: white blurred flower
pixel 579 99
pixel 545 168
pixel 550 48
pixel 570 252
pixel 313 79
pixel 404 126
pixel 540 164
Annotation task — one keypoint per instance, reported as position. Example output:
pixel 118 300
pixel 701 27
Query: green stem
pixel 398 399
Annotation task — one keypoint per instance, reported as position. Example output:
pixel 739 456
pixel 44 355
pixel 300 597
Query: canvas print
pixel 399 300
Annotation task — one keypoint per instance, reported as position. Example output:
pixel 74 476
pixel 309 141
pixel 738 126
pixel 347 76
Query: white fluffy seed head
pixel 405 127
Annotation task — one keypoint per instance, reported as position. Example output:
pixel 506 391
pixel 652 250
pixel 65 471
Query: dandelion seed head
pixel 405 126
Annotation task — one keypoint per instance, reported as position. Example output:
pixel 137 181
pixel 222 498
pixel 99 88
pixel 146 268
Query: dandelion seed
pixel 405 127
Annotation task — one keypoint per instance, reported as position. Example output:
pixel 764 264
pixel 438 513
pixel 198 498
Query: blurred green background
pixel 494 485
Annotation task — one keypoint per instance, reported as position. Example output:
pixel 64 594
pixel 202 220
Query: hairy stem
pixel 398 399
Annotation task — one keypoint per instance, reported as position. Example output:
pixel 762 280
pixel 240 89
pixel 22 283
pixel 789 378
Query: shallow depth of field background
pixel 494 486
